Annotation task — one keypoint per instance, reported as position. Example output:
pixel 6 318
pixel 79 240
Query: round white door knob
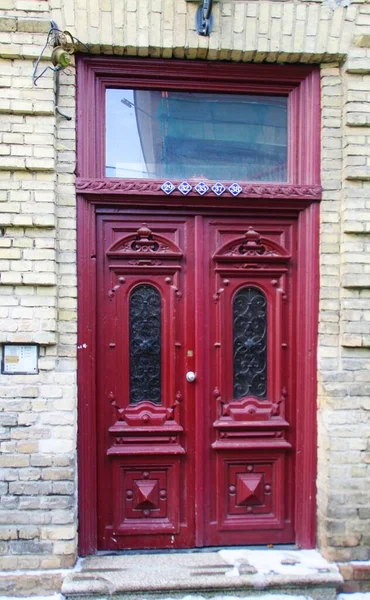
pixel 190 376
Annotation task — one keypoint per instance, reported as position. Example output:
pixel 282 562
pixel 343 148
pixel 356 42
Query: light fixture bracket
pixel 204 18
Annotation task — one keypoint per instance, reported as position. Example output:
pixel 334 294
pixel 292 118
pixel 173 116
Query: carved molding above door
pixel 251 247
pixel 142 244
pixel 132 187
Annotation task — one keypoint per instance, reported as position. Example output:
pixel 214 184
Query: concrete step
pixel 223 574
pixel 282 596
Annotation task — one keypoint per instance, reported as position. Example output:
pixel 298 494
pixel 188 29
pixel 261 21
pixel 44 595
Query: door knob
pixel 190 376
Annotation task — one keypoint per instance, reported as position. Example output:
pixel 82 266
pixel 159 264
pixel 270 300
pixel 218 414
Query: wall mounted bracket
pixel 204 17
pixel 63 45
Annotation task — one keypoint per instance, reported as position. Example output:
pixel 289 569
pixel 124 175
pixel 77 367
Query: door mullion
pixel 200 390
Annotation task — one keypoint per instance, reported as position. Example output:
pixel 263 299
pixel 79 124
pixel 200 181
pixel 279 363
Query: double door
pixel 196 379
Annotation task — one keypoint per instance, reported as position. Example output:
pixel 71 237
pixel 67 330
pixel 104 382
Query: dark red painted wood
pixel 307 312
pixel 86 380
pixel 111 450
pixel 300 83
pixel 132 187
pixel 250 438
pixel 200 368
pixel 145 450
pixel 269 442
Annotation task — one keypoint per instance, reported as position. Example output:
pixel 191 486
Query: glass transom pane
pixel 187 135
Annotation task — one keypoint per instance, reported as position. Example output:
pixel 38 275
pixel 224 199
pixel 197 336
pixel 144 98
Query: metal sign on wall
pixel 20 359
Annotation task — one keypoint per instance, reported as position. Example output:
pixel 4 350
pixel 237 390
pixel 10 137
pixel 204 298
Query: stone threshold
pixel 226 573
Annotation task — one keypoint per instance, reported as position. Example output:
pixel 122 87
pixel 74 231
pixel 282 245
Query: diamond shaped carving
pixel 249 489
pixel 146 494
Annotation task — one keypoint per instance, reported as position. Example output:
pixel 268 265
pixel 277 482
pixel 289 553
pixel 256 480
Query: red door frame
pixel 298 197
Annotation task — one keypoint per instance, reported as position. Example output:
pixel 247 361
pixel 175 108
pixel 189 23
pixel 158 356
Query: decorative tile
pixel 168 187
pixel 184 187
pixel 235 189
pixel 201 188
pixel 218 188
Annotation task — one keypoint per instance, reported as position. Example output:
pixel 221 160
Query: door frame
pixel 299 197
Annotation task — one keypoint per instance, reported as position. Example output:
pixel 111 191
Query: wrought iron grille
pixel 250 343
pixel 145 344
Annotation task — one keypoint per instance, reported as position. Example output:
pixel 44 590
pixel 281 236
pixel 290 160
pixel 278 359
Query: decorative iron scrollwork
pixel 250 343
pixel 145 344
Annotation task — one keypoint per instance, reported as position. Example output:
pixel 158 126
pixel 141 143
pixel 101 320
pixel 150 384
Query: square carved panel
pixel 146 496
pixel 250 486
pixel 252 491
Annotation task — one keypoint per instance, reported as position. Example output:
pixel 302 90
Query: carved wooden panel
pixel 250 304
pixel 147 266
pixel 208 462
pixel 251 491
pixel 250 294
pixel 146 496
pixel 153 188
pixel 145 407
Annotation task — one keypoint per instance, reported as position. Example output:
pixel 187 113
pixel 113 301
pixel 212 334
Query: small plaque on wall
pixel 20 359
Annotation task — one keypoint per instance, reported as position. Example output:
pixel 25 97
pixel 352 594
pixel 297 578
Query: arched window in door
pixel 145 344
pixel 249 343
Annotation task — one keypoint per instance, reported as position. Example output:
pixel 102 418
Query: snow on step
pixel 356 596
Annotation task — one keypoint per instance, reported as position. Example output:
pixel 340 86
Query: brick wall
pixel 38 236
pixel 37 302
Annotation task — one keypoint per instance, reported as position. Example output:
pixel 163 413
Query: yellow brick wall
pixel 38 245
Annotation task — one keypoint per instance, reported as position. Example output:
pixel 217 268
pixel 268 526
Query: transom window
pixel 175 134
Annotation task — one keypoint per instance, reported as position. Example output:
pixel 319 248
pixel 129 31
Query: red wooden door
pixel 248 441
pixel 206 462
